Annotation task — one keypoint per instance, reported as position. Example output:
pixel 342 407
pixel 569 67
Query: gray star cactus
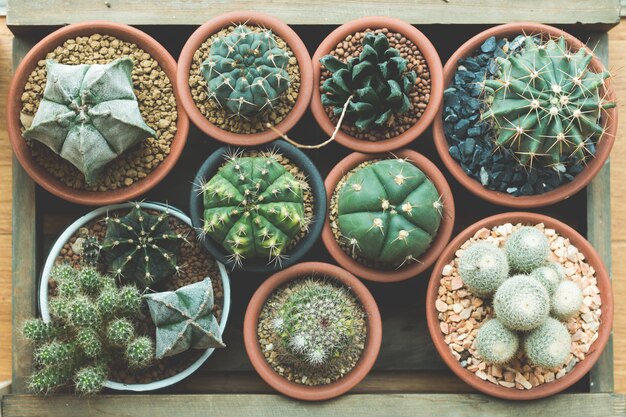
pixel 184 319
pixel 89 114
pixel 246 71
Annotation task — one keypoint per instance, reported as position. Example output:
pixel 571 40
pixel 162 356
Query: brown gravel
pixel 284 364
pixel 419 96
pixel 461 313
pixel 218 115
pixel 157 105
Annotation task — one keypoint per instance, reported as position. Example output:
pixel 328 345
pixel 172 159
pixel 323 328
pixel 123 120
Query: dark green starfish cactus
pixel 377 83
pixel 546 103
pixel 89 114
pixel 184 319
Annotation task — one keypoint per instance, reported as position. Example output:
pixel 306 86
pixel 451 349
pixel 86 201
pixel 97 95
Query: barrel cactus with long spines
pixel 246 71
pixel 254 207
pixel 546 103
pixel 389 212
pixel 377 83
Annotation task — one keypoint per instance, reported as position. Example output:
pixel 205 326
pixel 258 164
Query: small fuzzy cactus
pixel 377 83
pixel 246 71
pixel 483 267
pixel 546 103
pixel 89 114
pixel 527 248
pixel 141 247
pixel 184 319
pixel 254 207
pixel 521 303
pixel 389 212
pixel 548 276
pixel 566 300
pixel 549 345
pixel 495 343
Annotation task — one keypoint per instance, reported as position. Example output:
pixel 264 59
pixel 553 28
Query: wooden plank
pixel 191 12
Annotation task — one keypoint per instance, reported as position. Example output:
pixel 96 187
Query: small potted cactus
pixel 260 209
pixel 378 83
pixel 312 331
pixel 94 115
pixel 130 265
pixel 389 215
pixel 519 306
pixel 529 115
pixel 240 72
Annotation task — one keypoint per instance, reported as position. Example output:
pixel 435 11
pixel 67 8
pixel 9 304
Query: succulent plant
pixel 377 83
pixel 184 319
pixel 521 303
pixel 495 343
pixel 566 300
pixel 549 345
pixel 483 267
pixel 141 247
pixel 389 212
pixel 317 322
pixel 139 352
pixel 526 249
pixel 89 380
pixel 90 250
pixel 546 103
pixel 548 276
pixel 246 71
pixel 89 114
pixel 254 207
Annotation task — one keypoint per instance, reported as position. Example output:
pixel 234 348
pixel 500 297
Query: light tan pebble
pixel 572 253
pixel 482 234
pixel 594 337
pixel 560 253
pixel 588 301
pixel 583 348
pixel 482 375
pixel 496 371
pixel 509 376
pixel 492 379
pixel 456 283
pixel 462 337
pixel 456 347
pixel 472 368
pixel 458 253
pixel 549 377
pixel 561 373
pixel 590 290
pixel 441 306
pixel 447 271
pixel 456 355
pixel 519 378
pixel 507 384
pixel 587 317
pixel 465 314
pixel 577 336
pixel 533 380
pixel 77 246
pixel 502 231
pixel 444 327
pixel 482 366
pixel 597 300
pixel 477 302
pixel 549 232
pixel 455 318
pixel 457 308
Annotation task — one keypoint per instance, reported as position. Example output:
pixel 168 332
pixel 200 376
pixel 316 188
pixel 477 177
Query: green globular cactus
pixel 140 352
pixel 89 114
pixel 38 331
pixel 548 276
pixel 141 247
pixel 483 267
pixel 89 380
pixel 566 300
pixel 526 249
pixel 377 83
pixel 254 207
pixel 521 303
pixel 495 343
pixel 317 323
pixel 246 71
pixel 91 248
pixel 389 212
pixel 546 103
pixel 549 345
pixel 120 332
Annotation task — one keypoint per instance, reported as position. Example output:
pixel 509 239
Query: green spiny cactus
pixel 549 345
pixel 483 267
pixel 548 276
pixel 246 71
pixel 140 352
pixel 120 332
pixel 89 114
pixel 317 322
pixel 254 207
pixel 546 103
pixel 141 247
pixel 38 331
pixel 527 248
pixel 389 212
pixel 521 303
pixel 566 300
pixel 89 380
pixel 495 343
pixel 377 83
pixel 184 319
pixel 89 341
pixel 91 248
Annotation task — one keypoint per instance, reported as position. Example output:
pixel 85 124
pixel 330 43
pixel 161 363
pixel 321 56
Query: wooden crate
pixel 409 378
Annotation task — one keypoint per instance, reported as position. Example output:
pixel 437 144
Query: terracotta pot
pixel 292 389
pixel 560 193
pixel 23 152
pixel 429 257
pixel 436 78
pixel 604 331
pixel 253 18
pixel 260 265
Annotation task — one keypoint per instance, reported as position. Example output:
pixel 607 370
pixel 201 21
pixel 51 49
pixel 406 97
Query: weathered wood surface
pixel 192 12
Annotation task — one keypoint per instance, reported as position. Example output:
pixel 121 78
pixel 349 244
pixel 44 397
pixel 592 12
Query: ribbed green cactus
pixel 377 83
pixel 526 249
pixel 184 319
pixel 521 303
pixel 495 343
pixel 90 250
pixel 566 300
pixel 246 71
pixel 254 207
pixel 549 345
pixel 389 212
pixel 483 267
pixel 89 114
pixel 546 103
pixel 141 247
